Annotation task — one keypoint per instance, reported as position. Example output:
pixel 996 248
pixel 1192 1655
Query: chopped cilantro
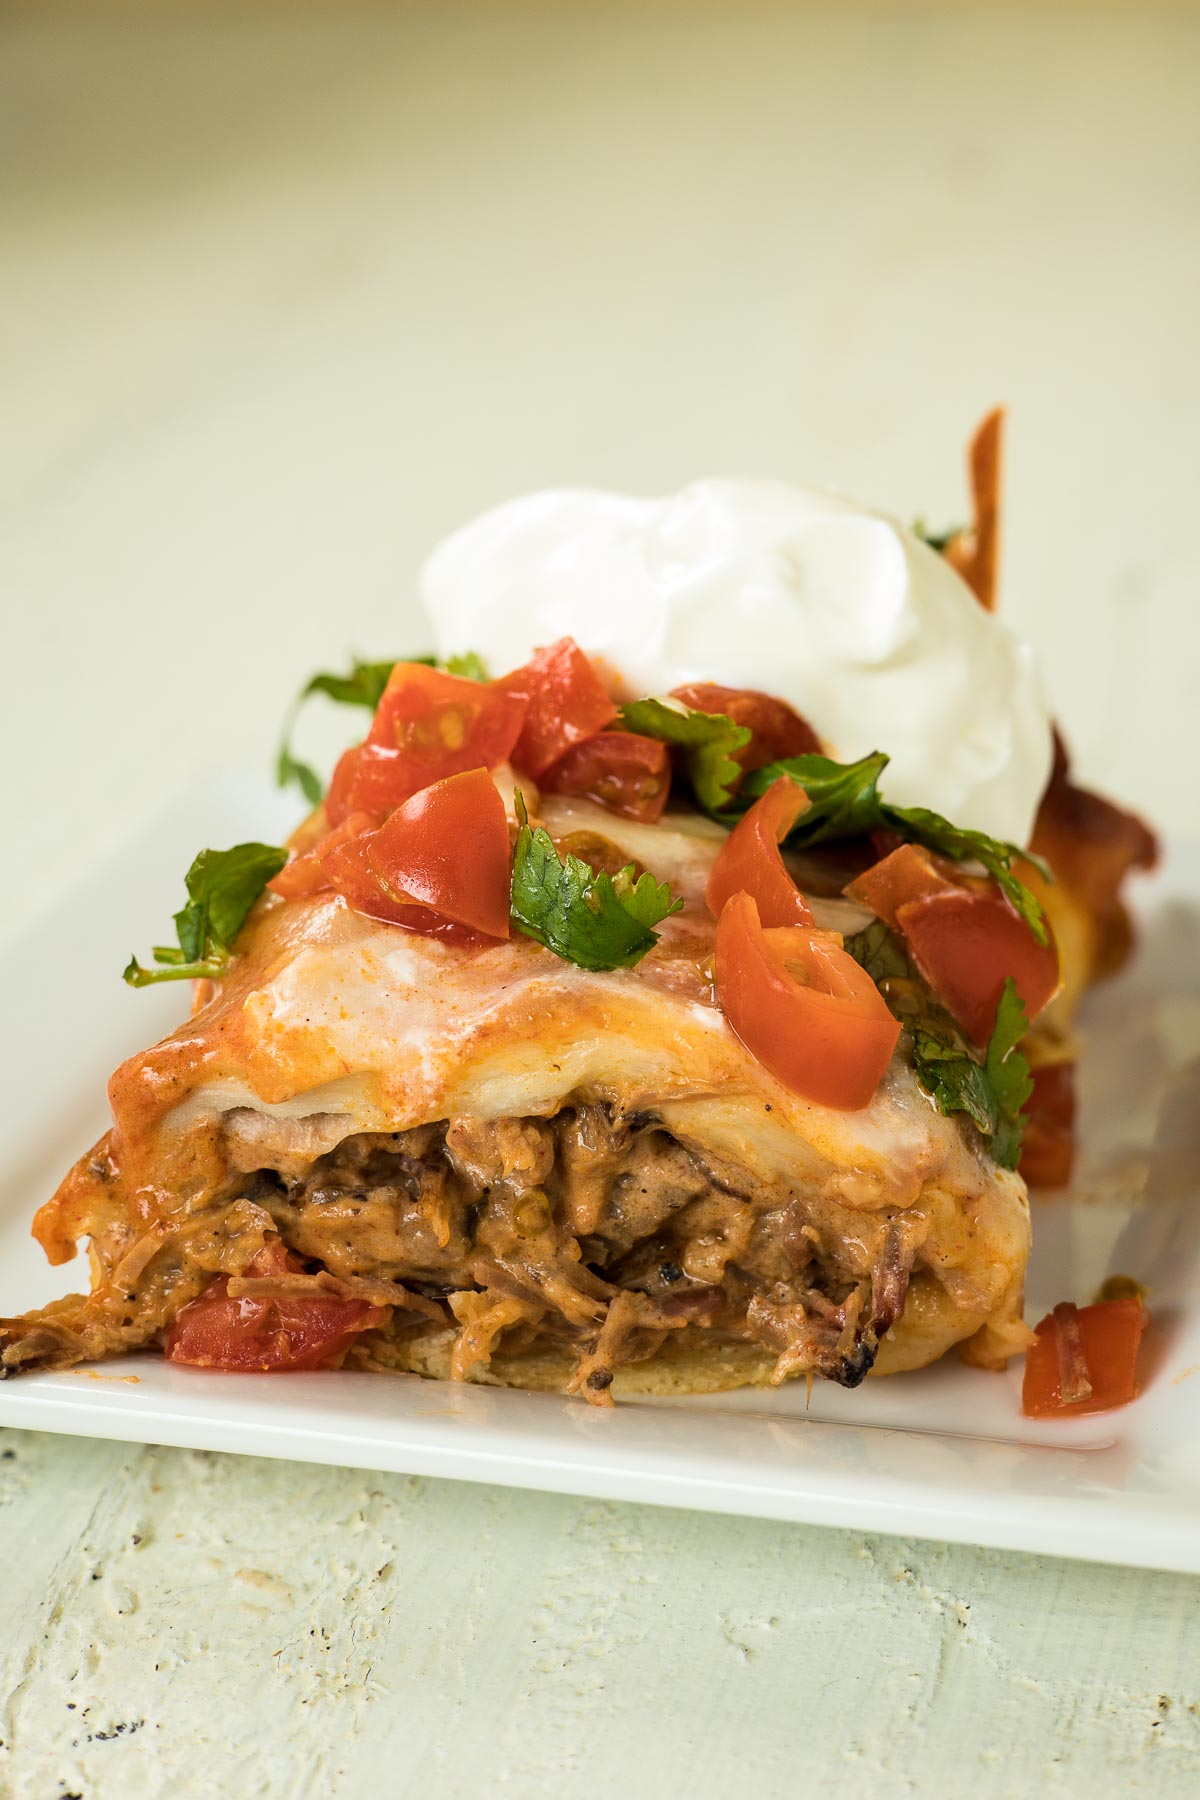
pixel 222 886
pixel 992 1092
pixel 590 918
pixel 844 801
pixel 707 740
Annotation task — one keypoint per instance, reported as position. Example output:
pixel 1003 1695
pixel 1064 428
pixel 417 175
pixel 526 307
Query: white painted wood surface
pixel 283 296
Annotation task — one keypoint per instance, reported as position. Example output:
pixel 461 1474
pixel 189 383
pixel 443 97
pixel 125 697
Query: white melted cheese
pixel 864 629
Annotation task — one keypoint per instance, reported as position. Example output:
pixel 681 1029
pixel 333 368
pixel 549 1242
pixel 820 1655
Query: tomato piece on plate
pixel 803 1007
pixel 566 703
pixel 778 729
pixel 1088 1351
pixel 448 849
pixel 306 874
pixel 750 860
pixel 964 937
pixel 297 1331
pixel 428 725
pixel 622 770
pixel 1048 1145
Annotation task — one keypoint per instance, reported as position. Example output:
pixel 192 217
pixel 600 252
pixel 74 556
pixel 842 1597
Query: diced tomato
pixel 750 861
pixel 627 773
pixel 803 1007
pixel 1048 1146
pixel 428 725
pixel 566 703
pixel 966 940
pixel 300 1331
pixel 966 945
pixel 905 872
pixel 778 730
pixel 1103 1339
pixel 306 874
pixel 447 849
pixel 337 800
pixel 351 874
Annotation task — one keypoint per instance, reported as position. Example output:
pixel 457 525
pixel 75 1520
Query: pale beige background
pixel 282 297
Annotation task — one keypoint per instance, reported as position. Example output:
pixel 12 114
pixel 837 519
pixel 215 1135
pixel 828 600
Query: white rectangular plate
pixel 945 1453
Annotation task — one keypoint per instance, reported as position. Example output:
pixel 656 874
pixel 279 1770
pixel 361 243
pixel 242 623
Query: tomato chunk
pixel 447 849
pixel 778 729
pixel 428 725
pixel 750 860
pixel 907 872
pixel 622 770
pixel 337 800
pixel 803 1007
pixel 306 874
pixel 964 937
pixel 1048 1146
pixel 351 874
pixel 565 700
pixel 267 1334
pixel 1108 1335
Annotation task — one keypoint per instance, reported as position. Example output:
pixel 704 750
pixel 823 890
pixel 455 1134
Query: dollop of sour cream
pixel 864 629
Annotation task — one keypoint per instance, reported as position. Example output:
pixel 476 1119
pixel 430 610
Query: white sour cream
pixel 864 629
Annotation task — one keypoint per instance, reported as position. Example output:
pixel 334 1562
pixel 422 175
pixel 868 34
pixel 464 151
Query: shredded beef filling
pixel 597 1234
pixel 594 1234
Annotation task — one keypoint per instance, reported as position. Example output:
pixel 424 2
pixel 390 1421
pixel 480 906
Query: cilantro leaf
pixel 470 665
pixel 222 886
pixel 991 1093
pixel 362 685
pixel 844 802
pixel 707 740
pixel 1008 1074
pixel 289 768
pixel 590 918
pixel 843 798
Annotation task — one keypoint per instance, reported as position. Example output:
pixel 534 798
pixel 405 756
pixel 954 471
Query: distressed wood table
pixel 283 298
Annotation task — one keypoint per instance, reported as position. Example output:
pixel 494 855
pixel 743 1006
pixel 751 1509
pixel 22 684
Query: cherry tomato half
pixel 966 940
pixel 750 862
pixel 306 874
pixel 428 725
pixel 803 1007
pixel 778 730
pixel 627 773
pixel 351 875
pixel 566 703
pixel 447 849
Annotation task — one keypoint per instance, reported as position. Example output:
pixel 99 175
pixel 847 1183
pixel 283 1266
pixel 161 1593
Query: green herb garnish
pixel 586 916
pixel 707 741
pixel 992 1092
pixel 469 665
pixel 845 802
pixel 222 886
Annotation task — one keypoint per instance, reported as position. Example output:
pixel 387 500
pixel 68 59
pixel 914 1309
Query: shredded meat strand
pixel 594 1234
